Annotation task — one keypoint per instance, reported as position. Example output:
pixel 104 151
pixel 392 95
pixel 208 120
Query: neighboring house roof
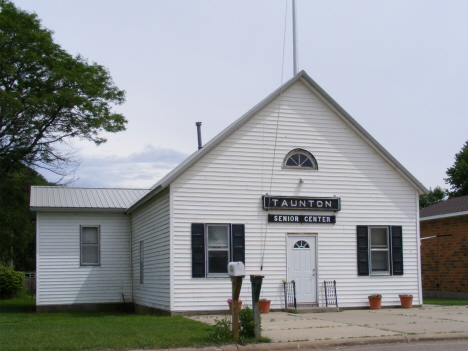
pixel 457 206
pixel 61 198
pixel 317 90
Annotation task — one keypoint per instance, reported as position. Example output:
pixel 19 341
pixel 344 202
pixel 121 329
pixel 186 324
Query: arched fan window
pixel 301 244
pixel 299 158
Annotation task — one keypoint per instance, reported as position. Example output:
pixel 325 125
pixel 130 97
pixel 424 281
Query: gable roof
pixel 457 206
pixel 49 198
pixel 321 94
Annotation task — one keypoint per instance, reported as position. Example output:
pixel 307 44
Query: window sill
pixel 221 276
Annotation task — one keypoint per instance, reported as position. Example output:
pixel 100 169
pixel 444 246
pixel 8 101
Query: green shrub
pixel 222 331
pixel 11 282
pixel 246 323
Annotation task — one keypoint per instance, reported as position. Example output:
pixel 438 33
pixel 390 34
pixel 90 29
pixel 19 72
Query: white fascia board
pixel 75 209
pixel 145 198
pixel 218 139
pixel 445 215
pixel 350 121
pixel 322 94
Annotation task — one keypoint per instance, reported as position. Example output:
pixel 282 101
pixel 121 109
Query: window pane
pixel 295 159
pixel 89 235
pixel 218 237
pixel 290 162
pixel 217 261
pixel 379 237
pixel 90 254
pixel 379 261
pixel 307 162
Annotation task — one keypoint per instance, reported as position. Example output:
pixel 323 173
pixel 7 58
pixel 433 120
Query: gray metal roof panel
pixel 58 197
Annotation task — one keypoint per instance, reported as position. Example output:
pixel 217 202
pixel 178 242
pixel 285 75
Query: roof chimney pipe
pixel 198 124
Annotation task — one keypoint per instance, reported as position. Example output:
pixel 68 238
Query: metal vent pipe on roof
pixel 198 124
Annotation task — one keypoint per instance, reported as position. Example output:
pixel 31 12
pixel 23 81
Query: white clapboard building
pixel 295 188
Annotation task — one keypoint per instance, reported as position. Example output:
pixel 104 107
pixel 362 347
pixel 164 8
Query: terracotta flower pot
pixel 264 306
pixel 375 303
pixel 406 301
pixel 230 306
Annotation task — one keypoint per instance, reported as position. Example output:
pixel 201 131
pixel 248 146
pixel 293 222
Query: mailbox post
pixel 236 271
pixel 256 281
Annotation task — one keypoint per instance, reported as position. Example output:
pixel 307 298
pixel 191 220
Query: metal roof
pixel 457 206
pixel 322 94
pixel 72 198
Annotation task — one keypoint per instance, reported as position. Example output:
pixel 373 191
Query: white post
pixel 294 36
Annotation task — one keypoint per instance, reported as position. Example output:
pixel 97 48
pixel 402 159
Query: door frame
pixel 315 235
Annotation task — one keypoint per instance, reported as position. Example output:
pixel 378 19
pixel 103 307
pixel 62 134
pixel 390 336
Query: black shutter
pixel 238 243
pixel 198 250
pixel 397 250
pixel 362 250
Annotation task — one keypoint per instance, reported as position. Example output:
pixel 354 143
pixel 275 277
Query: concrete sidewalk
pixel 357 327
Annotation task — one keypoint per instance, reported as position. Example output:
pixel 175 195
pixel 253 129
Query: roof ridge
pixel 238 123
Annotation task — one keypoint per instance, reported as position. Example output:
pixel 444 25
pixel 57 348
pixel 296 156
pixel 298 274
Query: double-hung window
pixel 214 246
pixel 142 261
pixel 217 248
pixel 90 254
pixel 379 250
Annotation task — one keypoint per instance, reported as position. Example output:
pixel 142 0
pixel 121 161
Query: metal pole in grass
pixel 256 281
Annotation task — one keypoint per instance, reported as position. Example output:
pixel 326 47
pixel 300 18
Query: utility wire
pixel 276 133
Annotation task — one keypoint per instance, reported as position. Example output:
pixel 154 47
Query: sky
pixel 400 68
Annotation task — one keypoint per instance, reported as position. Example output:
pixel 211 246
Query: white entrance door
pixel 301 267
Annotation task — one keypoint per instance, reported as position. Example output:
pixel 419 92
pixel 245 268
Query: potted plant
pixel 229 301
pixel 406 300
pixel 375 301
pixel 264 305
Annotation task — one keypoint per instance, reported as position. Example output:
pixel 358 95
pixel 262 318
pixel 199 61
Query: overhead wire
pixel 276 135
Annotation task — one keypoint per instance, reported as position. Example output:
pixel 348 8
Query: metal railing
pixel 289 294
pixel 331 299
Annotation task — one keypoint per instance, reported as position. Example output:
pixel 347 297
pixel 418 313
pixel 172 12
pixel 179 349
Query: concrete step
pixel 311 309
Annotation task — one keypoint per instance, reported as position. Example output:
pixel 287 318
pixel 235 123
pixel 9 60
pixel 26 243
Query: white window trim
pixel 303 152
pixel 98 245
pixel 207 250
pixel 388 249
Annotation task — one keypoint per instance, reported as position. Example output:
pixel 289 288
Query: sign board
pixel 301 203
pixel 314 219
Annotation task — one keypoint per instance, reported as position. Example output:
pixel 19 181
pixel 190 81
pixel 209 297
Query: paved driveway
pixel 427 320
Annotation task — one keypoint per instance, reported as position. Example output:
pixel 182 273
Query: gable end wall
pixel 60 278
pixel 226 186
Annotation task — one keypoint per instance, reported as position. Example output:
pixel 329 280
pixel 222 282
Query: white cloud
pixel 137 170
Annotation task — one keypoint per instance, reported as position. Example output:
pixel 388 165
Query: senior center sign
pixel 301 203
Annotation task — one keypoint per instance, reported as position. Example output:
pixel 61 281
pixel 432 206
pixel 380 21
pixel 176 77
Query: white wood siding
pixel 151 224
pixel 60 278
pixel 227 184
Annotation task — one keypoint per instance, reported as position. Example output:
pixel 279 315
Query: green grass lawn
pixel 445 301
pixel 22 329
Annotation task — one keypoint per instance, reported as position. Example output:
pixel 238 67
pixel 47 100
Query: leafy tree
pixel 434 197
pixel 48 96
pixel 17 229
pixel 458 174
